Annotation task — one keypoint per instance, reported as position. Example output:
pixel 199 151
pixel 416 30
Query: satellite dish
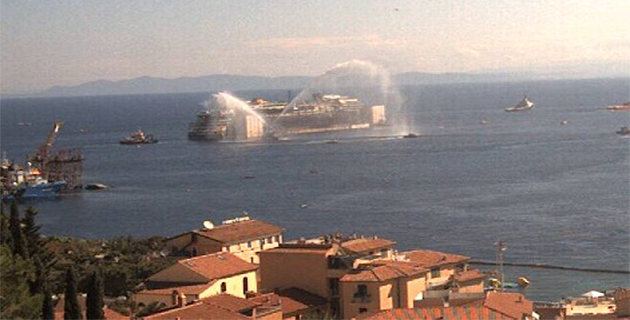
pixel 208 224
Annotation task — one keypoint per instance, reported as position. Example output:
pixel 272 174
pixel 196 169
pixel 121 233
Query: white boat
pixel 525 104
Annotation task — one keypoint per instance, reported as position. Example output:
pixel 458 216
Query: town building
pixel 200 277
pixel 241 236
pixel 317 265
pixel 290 304
pixel 492 305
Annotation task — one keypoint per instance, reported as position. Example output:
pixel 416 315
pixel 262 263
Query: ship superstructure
pixel 324 113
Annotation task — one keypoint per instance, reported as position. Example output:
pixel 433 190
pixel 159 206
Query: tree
pixel 18 243
pixel 94 302
pixel 48 308
pixel 16 301
pixel 5 237
pixel 35 245
pixel 71 308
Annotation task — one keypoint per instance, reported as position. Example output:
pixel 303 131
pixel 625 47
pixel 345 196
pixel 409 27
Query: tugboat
pixel 624 131
pixel 525 104
pixel 139 137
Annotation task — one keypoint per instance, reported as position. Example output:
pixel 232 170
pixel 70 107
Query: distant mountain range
pixel 219 82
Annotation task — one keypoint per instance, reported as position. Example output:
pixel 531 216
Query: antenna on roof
pixel 208 224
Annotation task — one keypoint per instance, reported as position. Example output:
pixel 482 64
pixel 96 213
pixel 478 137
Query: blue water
pixel 557 194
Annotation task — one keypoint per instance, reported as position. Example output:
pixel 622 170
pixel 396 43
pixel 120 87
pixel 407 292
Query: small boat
pixel 95 186
pixel 620 107
pixel 624 131
pixel 139 137
pixel 410 135
pixel 525 104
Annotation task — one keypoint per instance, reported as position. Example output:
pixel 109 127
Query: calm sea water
pixel 557 194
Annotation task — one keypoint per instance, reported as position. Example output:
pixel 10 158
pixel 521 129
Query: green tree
pixel 16 301
pixel 5 236
pixel 48 308
pixel 35 244
pixel 94 302
pixel 71 309
pixel 18 243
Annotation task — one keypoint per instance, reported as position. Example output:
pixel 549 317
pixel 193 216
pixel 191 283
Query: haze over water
pixel 555 193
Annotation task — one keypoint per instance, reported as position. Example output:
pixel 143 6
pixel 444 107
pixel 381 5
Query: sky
pixel 48 43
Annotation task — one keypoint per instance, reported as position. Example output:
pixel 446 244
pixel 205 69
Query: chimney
pixel 181 301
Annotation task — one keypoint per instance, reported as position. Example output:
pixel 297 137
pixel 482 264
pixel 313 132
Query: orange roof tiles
pixel 230 302
pixel 382 271
pixel 462 313
pixel 362 245
pixel 429 258
pixel 217 265
pixel 469 275
pixel 240 231
pixel 198 310
pixel 511 304
pixel 295 300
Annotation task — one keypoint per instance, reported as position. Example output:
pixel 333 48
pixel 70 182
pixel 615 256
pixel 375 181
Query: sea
pixel 552 183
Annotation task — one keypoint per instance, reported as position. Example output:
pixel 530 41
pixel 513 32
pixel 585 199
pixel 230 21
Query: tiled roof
pixel 362 245
pixel 281 249
pixel 429 258
pixel 217 265
pixel 187 289
pixel 230 302
pixel 511 304
pixel 295 300
pixel 469 275
pixel 198 310
pixel 240 231
pixel 382 272
pixel 462 313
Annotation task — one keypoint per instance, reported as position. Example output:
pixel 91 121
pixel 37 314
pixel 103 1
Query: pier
pixel 547 266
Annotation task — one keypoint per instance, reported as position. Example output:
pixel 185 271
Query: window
pixel 245 285
pixel 251 259
pixel 361 291
pixel 276 238
pixel 334 263
pixel 383 252
pixel 362 310
pixel 435 272
pixel 223 287
pixel 270 240
pixel 249 244
pixel 263 241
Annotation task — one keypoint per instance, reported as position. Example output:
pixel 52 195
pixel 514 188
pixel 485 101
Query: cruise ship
pixel 325 113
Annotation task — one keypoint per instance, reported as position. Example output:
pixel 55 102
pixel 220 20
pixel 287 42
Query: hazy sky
pixel 47 43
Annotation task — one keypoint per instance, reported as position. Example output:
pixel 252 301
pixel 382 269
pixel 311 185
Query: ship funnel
pixel 208 225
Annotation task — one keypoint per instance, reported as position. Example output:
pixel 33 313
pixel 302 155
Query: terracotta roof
pixel 198 310
pixel 365 245
pixel 240 231
pixel 108 313
pixel 217 265
pixel 461 312
pixel 230 302
pixel 382 272
pixel 294 300
pixel 511 304
pixel 429 258
pixel 469 275
pixel 187 289
pixel 281 249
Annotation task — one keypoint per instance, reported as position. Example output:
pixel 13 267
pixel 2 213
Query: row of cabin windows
pixel 245 286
